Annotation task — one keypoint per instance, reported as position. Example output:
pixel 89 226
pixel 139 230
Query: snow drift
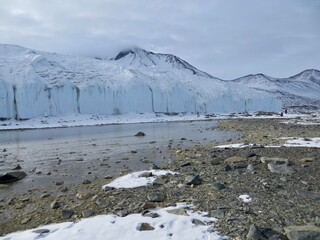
pixel 35 83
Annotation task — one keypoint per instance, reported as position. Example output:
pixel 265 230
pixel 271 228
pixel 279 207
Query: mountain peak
pixel 140 58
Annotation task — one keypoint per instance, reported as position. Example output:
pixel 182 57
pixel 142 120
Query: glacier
pixel 35 83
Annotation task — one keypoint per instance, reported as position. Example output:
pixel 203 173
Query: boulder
pixel 12 177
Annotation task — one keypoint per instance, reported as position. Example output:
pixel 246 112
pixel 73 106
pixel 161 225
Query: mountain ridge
pixel 36 83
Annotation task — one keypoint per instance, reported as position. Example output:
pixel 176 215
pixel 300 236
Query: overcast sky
pixel 226 38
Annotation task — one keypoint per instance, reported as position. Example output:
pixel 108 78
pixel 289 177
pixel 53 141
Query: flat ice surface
pixel 111 227
pixel 133 180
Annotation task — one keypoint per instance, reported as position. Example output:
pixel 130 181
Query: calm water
pixel 74 154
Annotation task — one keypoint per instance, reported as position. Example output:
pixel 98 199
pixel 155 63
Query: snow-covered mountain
pixel 300 92
pixel 35 83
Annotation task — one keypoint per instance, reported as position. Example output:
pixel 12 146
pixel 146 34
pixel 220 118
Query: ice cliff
pixel 35 83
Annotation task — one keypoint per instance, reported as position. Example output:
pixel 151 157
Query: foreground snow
pixel 133 180
pixel 104 227
pixel 291 142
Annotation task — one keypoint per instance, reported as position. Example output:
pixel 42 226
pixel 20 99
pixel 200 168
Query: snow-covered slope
pixel 35 83
pixel 301 91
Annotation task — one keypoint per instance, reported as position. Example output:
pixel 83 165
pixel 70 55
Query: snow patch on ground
pixel 245 198
pixel 291 142
pixel 105 227
pixel 133 180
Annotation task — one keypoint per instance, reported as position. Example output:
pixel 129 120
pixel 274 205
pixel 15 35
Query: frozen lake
pixel 77 153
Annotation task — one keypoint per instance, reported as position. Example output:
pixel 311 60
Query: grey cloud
pixel 227 38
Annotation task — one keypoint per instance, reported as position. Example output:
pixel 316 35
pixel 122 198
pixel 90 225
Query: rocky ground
pixel 283 184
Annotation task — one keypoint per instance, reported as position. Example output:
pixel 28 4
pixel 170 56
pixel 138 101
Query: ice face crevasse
pixel 35 83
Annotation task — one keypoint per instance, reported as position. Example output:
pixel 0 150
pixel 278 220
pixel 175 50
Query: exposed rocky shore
pixel 282 187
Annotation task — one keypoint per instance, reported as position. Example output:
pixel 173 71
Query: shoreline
pixel 222 187
pixel 79 120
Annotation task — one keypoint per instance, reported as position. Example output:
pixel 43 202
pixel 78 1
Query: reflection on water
pixel 48 155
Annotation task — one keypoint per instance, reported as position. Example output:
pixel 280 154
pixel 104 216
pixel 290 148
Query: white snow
pixel 133 180
pixel 245 198
pixel 111 227
pixel 303 142
pixel 291 142
pixel 37 84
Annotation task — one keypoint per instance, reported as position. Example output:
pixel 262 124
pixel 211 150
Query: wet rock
pixel 66 214
pixel 86 181
pixel 12 177
pixel 144 227
pixel 234 159
pixel 87 213
pixel 59 183
pixel 140 134
pixel 255 234
pixel 280 169
pixel 156 197
pixel 193 180
pixel 302 232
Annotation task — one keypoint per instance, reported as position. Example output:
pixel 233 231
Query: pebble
pixel 156 197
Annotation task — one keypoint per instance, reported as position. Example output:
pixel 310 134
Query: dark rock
pixel 198 222
pixel 12 177
pixel 219 186
pixel 17 167
pixel 87 213
pixel 155 197
pixel 227 168
pixel 144 227
pixel 55 205
pixel 123 213
pixel 251 155
pixel 140 134
pixel 185 164
pixel 193 180
pixel 255 234
pixel 41 231
pixel 239 165
pixel 66 214
pixel 59 183
pixel 86 181
pixel 45 195
pixel 146 174
pixel 152 215
pixel 107 188
pixel 302 232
